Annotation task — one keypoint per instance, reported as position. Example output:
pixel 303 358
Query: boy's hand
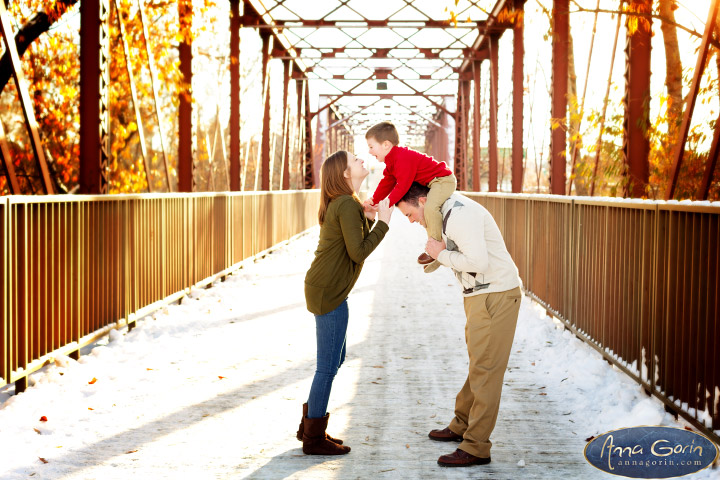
pixel 433 247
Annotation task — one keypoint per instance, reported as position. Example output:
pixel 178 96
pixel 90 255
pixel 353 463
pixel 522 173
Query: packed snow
pixel 212 387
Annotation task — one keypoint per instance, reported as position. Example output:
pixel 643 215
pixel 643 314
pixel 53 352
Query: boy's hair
pixel 383 131
pixel 416 191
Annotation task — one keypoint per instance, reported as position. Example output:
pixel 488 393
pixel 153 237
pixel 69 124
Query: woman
pixel 346 240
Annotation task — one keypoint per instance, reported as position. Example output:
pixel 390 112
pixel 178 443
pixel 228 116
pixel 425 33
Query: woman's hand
pixel 385 210
pixel 370 210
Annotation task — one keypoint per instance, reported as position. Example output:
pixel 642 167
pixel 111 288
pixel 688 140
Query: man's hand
pixel 368 203
pixel 433 247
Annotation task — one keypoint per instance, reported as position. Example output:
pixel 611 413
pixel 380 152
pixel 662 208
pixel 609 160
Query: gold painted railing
pixel 638 281
pixel 74 267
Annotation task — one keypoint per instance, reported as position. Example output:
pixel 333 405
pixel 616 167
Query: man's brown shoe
pixel 460 458
pixel 445 435
pixel 424 259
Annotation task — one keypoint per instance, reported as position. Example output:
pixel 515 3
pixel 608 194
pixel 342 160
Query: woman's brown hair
pixel 333 182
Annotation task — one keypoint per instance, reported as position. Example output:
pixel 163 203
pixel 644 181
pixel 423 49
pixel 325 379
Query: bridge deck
pixel 212 388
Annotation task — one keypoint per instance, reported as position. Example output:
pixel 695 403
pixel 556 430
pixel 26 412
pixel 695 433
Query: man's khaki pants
pixel 440 190
pixel 489 332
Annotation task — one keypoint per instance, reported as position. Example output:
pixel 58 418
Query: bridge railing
pixel 74 267
pixel 637 280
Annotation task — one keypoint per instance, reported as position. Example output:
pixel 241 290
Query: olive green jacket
pixel 346 240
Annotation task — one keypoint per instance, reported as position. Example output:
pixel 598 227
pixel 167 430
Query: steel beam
pixel 558 112
pixel 461 130
pixel 493 134
pixel 374 24
pixel 636 147
pixel 186 132
pixel 285 184
pixel 309 171
pixel 25 102
pixel 235 167
pixel 710 163
pixel 477 119
pixel 488 28
pixel 7 160
pixel 265 144
pixel 321 139
pixel 517 79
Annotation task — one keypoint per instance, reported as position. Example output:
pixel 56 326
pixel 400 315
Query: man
pixel 474 249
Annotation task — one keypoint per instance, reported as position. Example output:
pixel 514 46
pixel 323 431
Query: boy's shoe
pixel 425 259
pixel 429 268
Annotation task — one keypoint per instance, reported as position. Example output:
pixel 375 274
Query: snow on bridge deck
pixel 213 388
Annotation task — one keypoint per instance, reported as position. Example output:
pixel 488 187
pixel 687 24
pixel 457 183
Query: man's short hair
pixel 383 131
pixel 416 191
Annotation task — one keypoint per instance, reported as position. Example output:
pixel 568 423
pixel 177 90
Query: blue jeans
pixel 330 331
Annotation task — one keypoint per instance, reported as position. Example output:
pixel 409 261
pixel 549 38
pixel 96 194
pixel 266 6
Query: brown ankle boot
pixel 301 428
pixel 315 440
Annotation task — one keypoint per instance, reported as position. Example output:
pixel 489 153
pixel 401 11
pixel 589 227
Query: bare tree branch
pixel 651 16
pixel 38 24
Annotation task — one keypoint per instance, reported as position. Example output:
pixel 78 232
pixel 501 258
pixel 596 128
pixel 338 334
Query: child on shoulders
pixel 403 166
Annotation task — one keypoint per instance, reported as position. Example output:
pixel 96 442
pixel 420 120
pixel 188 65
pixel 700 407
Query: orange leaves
pixel 642 18
pixel 92 382
pixel 43 418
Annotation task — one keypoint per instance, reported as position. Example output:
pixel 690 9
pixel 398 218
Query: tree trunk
pixel 38 24
pixel 673 67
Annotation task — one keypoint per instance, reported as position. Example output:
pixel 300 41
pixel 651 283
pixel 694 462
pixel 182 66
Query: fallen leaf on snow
pixel 42 460
pixel 220 377
pixel 92 381
pixel 407 445
pixel 37 431
pixel 130 451
pixel 43 418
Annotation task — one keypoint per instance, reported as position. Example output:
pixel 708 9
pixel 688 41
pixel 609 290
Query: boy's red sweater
pixel 404 166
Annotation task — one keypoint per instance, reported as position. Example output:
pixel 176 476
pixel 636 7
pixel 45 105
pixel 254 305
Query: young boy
pixel 404 166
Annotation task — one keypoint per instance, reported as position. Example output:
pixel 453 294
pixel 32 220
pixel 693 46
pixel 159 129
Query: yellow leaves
pixel 556 123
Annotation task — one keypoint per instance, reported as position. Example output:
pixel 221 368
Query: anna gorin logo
pixel 651 452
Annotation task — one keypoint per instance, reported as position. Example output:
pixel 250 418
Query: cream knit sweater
pixel 475 249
